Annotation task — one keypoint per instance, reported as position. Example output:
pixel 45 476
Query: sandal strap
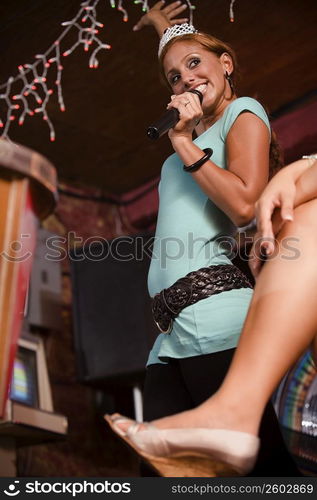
pixel 116 421
pixel 134 428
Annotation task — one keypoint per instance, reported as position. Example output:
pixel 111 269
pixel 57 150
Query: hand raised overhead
pixel 161 17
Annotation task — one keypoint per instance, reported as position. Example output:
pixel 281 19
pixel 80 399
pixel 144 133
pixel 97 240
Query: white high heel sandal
pixel 189 452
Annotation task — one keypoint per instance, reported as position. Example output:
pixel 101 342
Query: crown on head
pixel 173 31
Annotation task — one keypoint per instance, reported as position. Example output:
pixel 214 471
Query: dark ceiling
pixel 100 138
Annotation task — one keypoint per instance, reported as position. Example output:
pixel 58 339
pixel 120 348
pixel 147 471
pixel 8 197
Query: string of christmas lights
pixel 145 8
pixel 231 13
pixel 28 93
pixel 191 8
pixel 125 17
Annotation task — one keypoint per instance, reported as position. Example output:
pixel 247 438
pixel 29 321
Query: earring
pixel 229 79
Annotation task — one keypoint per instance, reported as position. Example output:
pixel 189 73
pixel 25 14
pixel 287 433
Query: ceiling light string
pixel 231 13
pixel 120 8
pixel 28 93
pixel 59 68
pixel 10 107
pixel 36 89
pixel 145 7
pixel 191 8
pixel 123 11
pixel 87 35
pixel 30 85
pixel 51 48
pixel 145 4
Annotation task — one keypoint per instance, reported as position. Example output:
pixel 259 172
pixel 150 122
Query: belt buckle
pixel 168 330
pixel 158 316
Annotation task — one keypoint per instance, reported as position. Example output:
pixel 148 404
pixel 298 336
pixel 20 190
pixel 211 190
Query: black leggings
pixel 183 384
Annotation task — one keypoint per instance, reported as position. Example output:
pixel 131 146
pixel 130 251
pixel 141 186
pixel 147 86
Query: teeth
pixel 202 88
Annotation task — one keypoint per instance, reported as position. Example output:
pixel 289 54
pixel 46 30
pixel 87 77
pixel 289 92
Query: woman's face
pixel 188 65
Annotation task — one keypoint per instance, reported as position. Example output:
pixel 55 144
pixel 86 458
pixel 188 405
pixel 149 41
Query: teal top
pixel 189 235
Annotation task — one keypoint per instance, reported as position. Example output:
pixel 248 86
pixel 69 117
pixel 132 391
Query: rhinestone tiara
pixel 173 31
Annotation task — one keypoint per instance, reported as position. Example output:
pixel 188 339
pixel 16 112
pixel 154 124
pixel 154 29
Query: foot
pixel 190 452
pixel 197 418
pixel 200 417
pixel 123 425
pixel 212 414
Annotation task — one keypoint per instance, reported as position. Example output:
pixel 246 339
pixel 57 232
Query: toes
pixel 119 423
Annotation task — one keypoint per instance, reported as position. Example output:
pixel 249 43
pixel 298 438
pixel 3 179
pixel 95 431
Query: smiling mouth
pixel 201 88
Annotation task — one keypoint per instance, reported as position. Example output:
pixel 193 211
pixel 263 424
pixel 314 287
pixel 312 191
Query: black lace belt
pixel 195 286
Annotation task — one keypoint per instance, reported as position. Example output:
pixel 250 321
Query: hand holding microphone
pixel 167 120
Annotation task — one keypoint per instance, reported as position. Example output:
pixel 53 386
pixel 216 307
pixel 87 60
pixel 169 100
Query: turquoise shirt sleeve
pixel 239 106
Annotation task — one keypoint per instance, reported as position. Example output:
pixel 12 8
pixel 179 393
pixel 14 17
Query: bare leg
pixel 280 325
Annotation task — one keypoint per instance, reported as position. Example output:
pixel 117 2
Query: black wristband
pixel 195 166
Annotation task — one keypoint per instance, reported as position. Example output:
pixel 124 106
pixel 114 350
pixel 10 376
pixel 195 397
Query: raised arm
pixel 162 17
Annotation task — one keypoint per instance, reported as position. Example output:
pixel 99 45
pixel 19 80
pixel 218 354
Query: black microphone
pixel 168 120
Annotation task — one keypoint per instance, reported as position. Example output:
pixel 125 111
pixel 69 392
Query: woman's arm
pixel 236 189
pixel 161 17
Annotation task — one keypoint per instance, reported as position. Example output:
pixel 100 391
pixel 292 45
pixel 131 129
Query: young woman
pixel 208 187
pixel 219 437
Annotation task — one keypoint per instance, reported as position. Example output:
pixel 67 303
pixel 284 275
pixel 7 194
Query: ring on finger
pixel 186 103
